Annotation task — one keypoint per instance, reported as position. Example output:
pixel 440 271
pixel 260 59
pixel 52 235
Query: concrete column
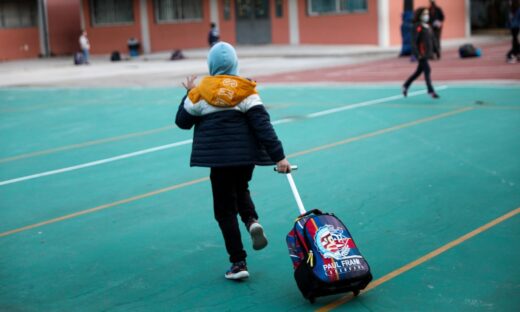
pixel 383 20
pixel 294 31
pixel 213 11
pixel 43 28
pixel 467 5
pixel 145 30
pixel 82 15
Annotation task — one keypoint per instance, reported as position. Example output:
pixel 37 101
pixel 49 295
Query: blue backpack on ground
pixel 78 58
pixel 325 258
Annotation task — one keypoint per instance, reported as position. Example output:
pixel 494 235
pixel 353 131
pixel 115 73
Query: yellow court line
pixel 490 107
pixel 80 145
pixel 422 259
pixel 176 186
pixel 98 208
pixel 382 131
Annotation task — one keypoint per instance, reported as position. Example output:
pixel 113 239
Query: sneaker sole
pixel 258 236
pixel 237 276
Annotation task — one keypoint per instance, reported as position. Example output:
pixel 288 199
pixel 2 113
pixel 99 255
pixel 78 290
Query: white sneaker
pixel 258 236
pixel 238 271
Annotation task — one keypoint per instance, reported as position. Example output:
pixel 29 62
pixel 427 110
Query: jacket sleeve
pixel 415 48
pixel 259 121
pixel 417 42
pixel 183 119
pixel 441 14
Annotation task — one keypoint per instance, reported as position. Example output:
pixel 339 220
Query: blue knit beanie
pixel 222 60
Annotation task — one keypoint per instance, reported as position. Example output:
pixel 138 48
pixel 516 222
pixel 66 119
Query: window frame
pixel 337 11
pixel 97 24
pixel 33 16
pixel 177 21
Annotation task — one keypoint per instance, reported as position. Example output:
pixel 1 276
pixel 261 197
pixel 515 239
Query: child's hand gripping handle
pixel 294 190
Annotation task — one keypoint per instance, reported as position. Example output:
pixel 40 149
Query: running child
pixel 233 134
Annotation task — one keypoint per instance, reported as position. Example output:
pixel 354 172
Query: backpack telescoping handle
pixel 294 190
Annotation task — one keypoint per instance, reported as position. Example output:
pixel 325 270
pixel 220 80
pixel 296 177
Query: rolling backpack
pixel 325 258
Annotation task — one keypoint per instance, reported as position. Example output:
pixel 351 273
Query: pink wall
pixel 19 43
pixel 105 39
pixel 395 12
pixel 454 12
pixel 280 25
pixel 351 28
pixel 64 25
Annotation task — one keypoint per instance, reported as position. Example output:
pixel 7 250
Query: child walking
pixel 423 44
pixel 233 133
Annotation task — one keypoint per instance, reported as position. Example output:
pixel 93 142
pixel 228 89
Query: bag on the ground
pixel 325 257
pixel 177 55
pixel 115 56
pixel 78 58
pixel 469 50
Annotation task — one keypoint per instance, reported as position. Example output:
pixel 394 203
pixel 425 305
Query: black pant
pixel 231 196
pixel 423 66
pixel 515 48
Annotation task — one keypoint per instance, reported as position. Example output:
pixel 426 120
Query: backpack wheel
pixel 356 292
pixel 312 299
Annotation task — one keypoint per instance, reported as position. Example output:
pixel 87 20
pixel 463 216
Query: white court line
pixel 97 162
pixel 167 146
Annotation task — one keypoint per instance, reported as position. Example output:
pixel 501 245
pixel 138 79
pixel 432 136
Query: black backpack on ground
pixel 177 55
pixel 468 50
pixel 115 56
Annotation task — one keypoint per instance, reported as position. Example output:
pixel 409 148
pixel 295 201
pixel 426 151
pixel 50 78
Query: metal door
pixel 253 22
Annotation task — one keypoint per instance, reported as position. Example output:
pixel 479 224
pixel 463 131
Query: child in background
pixel 233 133
pixel 423 44
pixel 514 25
pixel 213 35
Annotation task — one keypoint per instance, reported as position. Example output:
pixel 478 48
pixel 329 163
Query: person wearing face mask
pixel 436 22
pixel 423 44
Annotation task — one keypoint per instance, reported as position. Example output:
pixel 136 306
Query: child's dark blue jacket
pixel 232 126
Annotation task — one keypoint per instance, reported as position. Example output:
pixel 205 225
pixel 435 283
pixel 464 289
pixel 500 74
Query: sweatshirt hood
pixel 223 60
pixel 223 90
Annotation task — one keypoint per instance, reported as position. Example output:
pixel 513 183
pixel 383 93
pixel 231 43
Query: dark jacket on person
pixel 213 36
pixel 232 126
pixel 436 14
pixel 423 41
pixel 514 19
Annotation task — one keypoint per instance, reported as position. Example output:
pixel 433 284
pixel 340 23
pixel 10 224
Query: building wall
pixel 105 39
pixel 179 35
pixel 395 11
pixel 279 25
pixel 454 12
pixel 352 28
pixel 227 27
pixel 63 18
pixel 18 43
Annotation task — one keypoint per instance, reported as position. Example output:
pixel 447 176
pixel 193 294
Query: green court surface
pixel 100 210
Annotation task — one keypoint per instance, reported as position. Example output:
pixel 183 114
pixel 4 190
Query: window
pixel 317 7
pixel 279 8
pixel 178 10
pixel 227 10
pixel 110 12
pixel 18 13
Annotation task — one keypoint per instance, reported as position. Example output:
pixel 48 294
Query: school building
pixel 29 28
